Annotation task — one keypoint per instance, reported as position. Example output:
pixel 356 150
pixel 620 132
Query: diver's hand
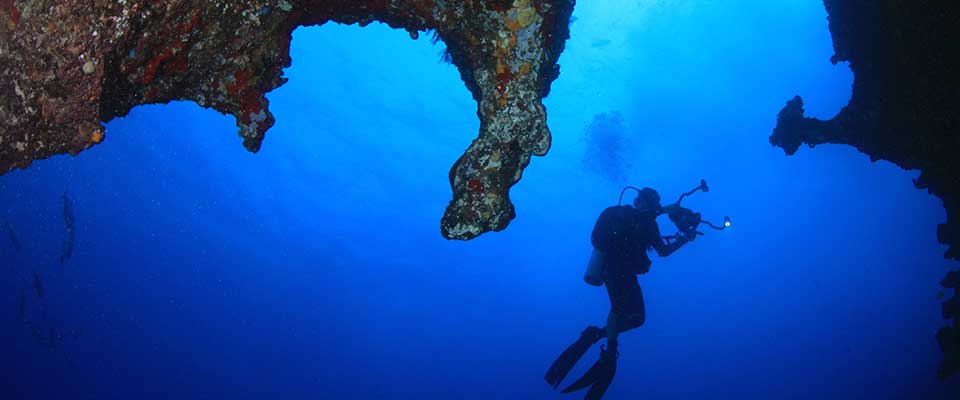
pixel 689 236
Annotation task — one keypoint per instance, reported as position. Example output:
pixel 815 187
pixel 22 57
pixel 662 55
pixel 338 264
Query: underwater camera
pixel 686 220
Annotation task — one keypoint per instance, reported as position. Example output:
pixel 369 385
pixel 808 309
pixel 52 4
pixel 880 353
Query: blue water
pixel 315 268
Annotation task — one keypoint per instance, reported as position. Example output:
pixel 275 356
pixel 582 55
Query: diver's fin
pixel 599 376
pixel 565 362
pixel 600 386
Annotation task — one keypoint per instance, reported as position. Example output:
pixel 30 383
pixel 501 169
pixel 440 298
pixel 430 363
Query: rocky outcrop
pixel 67 66
pixel 948 337
pixel 905 106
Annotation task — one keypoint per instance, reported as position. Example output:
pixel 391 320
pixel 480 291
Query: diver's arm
pixel 665 248
pixel 662 245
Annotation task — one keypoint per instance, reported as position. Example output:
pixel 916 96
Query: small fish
pixel 940 295
pixel 66 250
pixel 13 236
pixel 600 43
pixel 38 285
pixel 67 212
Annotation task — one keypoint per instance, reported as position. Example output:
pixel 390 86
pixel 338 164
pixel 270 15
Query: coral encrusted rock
pixel 68 66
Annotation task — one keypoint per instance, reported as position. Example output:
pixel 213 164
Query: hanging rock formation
pixel 905 106
pixel 67 66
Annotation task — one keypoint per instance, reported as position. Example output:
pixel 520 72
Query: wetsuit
pixel 624 234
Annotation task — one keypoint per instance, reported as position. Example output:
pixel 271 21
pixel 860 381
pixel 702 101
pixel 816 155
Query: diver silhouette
pixel 621 238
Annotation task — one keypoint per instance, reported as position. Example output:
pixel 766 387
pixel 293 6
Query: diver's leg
pixel 621 289
pixel 636 313
pixel 612 328
pixel 627 310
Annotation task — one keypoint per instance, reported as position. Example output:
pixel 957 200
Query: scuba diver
pixel 621 238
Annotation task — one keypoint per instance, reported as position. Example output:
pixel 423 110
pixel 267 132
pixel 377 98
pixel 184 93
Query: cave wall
pixel 68 66
pixel 905 108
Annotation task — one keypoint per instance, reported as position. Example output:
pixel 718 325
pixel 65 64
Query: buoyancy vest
pixel 623 234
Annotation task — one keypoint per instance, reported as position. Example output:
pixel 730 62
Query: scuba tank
pixel 595 274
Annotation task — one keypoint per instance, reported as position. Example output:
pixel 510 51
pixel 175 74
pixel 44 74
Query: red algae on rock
pixel 67 66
